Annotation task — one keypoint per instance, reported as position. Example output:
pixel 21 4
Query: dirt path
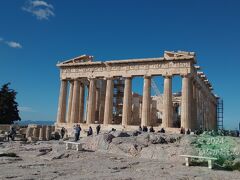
pixel 54 162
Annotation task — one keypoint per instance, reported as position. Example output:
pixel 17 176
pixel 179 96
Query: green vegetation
pixel 8 106
pixel 224 148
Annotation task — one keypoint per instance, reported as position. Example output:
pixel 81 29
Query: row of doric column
pixel 196 108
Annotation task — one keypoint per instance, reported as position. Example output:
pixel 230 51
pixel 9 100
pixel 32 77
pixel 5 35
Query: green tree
pixel 8 106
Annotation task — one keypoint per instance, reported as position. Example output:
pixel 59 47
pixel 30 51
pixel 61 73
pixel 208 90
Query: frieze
pixel 171 66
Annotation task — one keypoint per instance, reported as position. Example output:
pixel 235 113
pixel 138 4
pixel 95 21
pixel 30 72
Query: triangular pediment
pixel 169 55
pixel 172 54
pixel 79 59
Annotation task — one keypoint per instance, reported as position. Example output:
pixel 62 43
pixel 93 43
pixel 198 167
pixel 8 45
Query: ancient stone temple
pixel 95 92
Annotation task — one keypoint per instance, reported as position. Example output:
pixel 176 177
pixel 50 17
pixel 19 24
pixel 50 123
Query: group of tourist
pixel 183 131
pixel 210 132
pixel 90 130
pixel 77 130
pixel 151 129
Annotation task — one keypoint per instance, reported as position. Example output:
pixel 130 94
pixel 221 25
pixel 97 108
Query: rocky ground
pixel 114 155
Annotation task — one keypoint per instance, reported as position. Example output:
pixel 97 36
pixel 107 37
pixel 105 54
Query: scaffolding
pixel 155 88
pixel 118 99
pixel 220 113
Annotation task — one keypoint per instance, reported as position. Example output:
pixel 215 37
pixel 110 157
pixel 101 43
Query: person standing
pixel 78 131
pixel 98 129
pixel 75 132
pixel 12 133
pixel 62 132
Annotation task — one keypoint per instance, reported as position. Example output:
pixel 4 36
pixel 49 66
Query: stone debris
pixel 107 157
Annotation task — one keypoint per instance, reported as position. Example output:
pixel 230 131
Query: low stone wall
pixel 5 127
pixel 69 128
pixel 39 132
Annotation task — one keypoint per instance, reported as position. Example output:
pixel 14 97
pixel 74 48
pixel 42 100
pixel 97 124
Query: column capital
pixel 127 77
pixel 75 79
pixel 71 81
pixel 147 76
pixel 91 78
pixel 108 78
pixel 187 75
pixel 167 76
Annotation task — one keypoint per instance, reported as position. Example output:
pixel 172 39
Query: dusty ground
pixel 50 160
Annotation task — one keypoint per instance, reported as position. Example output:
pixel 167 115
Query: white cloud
pixel 41 3
pixel 41 9
pixel 13 44
pixel 26 109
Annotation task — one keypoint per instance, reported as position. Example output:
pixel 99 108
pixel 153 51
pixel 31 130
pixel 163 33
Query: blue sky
pixel 35 35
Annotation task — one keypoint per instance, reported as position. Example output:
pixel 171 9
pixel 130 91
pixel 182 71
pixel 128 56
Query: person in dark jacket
pixel 145 129
pixel 90 131
pixel 78 131
pixel 12 133
pixel 98 129
pixel 151 129
pixel 62 132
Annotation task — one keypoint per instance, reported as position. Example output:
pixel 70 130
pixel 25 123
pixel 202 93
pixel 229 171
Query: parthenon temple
pixel 100 92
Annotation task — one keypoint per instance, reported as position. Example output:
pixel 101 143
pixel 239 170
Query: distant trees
pixel 8 106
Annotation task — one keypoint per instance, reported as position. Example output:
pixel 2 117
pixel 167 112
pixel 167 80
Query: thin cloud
pixel 26 109
pixel 41 9
pixel 13 44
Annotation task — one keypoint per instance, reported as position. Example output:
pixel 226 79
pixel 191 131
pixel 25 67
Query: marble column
pixel 151 121
pixel 201 109
pixel 146 101
pixel 127 101
pixel 197 106
pixel 108 110
pixel 91 101
pixel 206 117
pixel 42 133
pixel 97 106
pixel 212 115
pixel 36 132
pixel 204 111
pixel 194 106
pixel 102 100
pixel 215 115
pixel 87 98
pixel 70 102
pixel 41 137
pixel 140 110
pixel 167 102
pixel 186 107
pixel 81 102
pixel 62 102
pixel 75 102
pixel 48 133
